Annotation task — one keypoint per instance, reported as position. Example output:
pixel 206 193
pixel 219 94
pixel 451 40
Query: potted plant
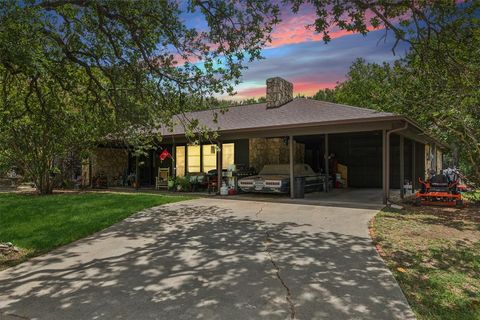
pixel 183 183
pixel 171 183
pixel 178 183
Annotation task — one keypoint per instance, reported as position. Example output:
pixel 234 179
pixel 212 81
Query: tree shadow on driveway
pixel 186 261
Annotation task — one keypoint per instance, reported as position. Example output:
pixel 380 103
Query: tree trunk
pixel 44 183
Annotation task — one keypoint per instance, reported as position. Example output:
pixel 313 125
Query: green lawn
pixel 37 224
pixel 472 196
pixel 434 254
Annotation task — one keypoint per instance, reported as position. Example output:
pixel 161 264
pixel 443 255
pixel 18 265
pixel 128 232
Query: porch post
pixel 327 169
pixel 384 166
pixel 152 167
pixel 201 157
pixel 219 165
pixel 292 162
pixel 186 160
pixel 402 164
pixel 414 158
pixel 174 158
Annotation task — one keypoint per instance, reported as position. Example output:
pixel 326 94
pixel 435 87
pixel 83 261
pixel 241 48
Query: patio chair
pixel 161 181
pixel 212 183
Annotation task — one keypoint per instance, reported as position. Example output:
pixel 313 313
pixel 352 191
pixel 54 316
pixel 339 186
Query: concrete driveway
pixel 213 259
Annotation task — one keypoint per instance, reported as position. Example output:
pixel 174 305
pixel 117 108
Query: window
pixel 180 161
pixel 228 155
pixel 209 154
pixel 193 155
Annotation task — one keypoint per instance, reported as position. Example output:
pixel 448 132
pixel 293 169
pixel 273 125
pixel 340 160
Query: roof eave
pixel 424 132
pixel 305 125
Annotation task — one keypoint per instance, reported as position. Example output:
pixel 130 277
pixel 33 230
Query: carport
pixel 379 159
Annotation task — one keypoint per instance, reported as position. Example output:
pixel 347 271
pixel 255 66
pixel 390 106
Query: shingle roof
pixel 300 111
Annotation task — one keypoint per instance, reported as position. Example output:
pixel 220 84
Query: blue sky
pixel 312 65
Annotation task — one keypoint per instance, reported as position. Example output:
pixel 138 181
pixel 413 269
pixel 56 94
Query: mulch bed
pixel 9 255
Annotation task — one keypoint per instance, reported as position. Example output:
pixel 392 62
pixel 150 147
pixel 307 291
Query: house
pixel 380 149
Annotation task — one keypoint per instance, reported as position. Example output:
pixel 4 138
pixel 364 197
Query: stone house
pixel 380 149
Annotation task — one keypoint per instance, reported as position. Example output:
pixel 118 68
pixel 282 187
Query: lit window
pixel 228 155
pixel 193 163
pixel 209 153
pixel 180 161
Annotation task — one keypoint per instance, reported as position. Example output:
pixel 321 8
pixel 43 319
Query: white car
pixel 275 178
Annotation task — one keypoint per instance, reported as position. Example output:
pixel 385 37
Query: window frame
pixel 189 158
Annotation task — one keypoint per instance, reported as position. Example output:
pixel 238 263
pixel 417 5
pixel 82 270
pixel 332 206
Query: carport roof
pixel 298 112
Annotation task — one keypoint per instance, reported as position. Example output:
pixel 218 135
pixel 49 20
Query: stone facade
pixel 279 92
pixel 264 151
pixel 111 162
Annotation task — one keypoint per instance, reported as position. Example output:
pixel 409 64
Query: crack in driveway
pixel 258 212
pixel 288 295
pixel 12 315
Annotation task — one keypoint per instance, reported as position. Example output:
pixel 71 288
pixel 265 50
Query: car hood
pixel 275 176
pixel 267 177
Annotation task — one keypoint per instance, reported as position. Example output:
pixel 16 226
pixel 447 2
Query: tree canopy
pixel 73 71
pixel 436 84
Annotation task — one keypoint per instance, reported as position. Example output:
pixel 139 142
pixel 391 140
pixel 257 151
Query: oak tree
pixel 75 71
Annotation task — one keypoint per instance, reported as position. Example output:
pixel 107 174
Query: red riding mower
pixel 439 190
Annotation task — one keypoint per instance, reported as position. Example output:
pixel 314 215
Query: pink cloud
pixel 310 88
pixel 293 29
pixel 250 93
pixel 307 88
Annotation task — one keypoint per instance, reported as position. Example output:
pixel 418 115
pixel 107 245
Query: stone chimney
pixel 279 92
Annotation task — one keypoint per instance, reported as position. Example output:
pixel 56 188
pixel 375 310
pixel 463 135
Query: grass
pixel 434 253
pixel 38 224
pixel 473 196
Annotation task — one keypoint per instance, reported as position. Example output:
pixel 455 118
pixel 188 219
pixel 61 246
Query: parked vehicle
pixel 440 189
pixel 275 178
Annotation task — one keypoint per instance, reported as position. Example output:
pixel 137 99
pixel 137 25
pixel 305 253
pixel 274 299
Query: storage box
pixel 343 171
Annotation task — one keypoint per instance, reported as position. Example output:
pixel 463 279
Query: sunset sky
pixel 300 56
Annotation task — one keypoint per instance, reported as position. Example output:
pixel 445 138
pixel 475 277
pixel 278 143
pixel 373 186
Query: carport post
pixel 384 165
pixel 386 160
pixel 291 161
pixel 219 165
pixel 402 164
pixel 327 174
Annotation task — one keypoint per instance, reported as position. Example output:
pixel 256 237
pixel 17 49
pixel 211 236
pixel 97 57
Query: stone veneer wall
pixel 264 151
pixel 279 92
pixel 110 161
